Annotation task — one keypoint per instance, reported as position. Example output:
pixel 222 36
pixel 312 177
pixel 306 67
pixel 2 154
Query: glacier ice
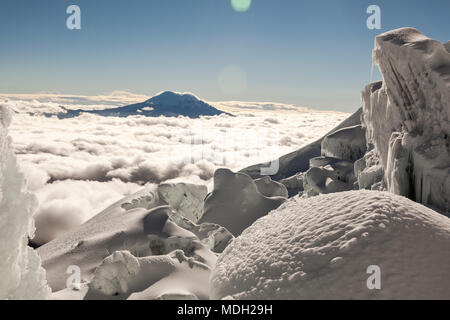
pixel 236 202
pixel 328 175
pixel 22 276
pixel 294 184
pixel 122 253
pixel 321 247
pixel 131 248
pixel 298 161
pixel 269 188
pixel 346 144
pixel 407 116
pixel 447 46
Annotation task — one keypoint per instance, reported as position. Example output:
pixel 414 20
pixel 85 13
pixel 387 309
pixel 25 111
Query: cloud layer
pixel 79 166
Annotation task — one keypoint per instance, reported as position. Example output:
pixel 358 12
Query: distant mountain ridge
pixel 168 104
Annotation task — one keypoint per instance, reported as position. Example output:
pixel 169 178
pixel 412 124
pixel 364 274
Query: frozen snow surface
pixel 237 201
pixel 142 247
pixel 407 117
pixel 22 276
pixel 321 248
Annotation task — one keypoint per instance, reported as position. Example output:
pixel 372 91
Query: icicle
pixel 373 67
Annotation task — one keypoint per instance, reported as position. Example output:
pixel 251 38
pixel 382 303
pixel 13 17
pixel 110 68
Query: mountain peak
pixel 167 103
pixel 172 98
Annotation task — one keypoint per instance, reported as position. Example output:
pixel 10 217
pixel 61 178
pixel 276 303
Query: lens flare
pixel 232 80
pixel 241 5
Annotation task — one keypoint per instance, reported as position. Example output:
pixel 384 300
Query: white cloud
pixel 67 204
pixel 90 161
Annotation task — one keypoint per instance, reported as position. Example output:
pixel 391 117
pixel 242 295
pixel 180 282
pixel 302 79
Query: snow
pixel 368 171
pixel 294 184
pixel 236 201
pixel 407 116
pixel 328 175
pixel 77 167
pixel 269 188
pixel 321 248
pixel 22 276
pixel 176 241
pixel 298 161
pixel 143 246
pixel 346 144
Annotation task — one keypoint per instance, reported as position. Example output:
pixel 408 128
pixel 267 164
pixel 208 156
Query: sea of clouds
pixel 79 166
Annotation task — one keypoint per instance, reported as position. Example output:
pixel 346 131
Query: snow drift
pixel 142 247
pixel 22 276
pixel 321 248
pixel 407 118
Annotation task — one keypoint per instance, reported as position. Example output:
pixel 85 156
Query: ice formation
pixel 236 202
pixel 447 46
pixel 321 248
pixel 22 276
pixel 148 236
pixel 346 144
pixel 129 250
pixel 298 161
pixel 163 241
pixel 187 199
pixel 269 188
pixel 168 277
pixel 328 175
pixel 407 118
pixel 294 184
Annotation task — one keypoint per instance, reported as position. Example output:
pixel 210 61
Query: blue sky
pixel 304 52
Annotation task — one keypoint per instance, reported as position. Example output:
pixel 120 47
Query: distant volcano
pixel 168 104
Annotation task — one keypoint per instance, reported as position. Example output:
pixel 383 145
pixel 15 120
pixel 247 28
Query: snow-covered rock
pixel 346 144
pixel 22 276
pixel 407 116
pixel 326 247
pixel 235 203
